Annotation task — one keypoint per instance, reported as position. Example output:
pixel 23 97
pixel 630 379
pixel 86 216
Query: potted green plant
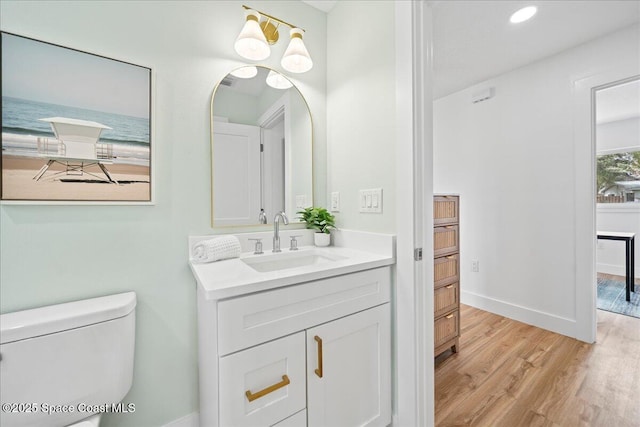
pixel 322 221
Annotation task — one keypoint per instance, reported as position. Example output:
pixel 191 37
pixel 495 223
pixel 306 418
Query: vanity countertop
pixel 233 277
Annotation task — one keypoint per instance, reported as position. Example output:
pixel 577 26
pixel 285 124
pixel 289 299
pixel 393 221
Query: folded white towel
pixel 216 249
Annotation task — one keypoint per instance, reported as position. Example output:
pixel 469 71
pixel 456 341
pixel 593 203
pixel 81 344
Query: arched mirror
pixel 261 148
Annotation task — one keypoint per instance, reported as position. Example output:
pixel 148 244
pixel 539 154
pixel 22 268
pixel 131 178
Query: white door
pixel 349 371
pixel 236 199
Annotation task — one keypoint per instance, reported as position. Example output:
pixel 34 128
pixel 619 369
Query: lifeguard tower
pixel 77 147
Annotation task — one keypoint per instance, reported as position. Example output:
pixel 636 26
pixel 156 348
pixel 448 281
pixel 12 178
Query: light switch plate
pixel 370 201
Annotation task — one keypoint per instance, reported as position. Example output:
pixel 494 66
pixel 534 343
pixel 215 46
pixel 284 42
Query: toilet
pixel 65 364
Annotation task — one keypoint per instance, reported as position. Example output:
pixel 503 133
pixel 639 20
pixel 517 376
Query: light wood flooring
pixel 508 374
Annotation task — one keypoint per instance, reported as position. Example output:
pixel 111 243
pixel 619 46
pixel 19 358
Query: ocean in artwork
pixel 128 136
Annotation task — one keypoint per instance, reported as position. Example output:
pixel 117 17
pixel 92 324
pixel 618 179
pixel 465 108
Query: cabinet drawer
pixel 264 384
pixel 446 298
pixel 445 210
pixel 445 240
pixel 446 270
pixel 446 328
pixel 297 420
pixel 257 318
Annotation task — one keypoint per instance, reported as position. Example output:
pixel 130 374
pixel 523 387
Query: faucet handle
pixel 294 242
pixel 258 249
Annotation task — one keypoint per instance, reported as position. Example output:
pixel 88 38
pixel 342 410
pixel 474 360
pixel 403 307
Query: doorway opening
pixel 616 130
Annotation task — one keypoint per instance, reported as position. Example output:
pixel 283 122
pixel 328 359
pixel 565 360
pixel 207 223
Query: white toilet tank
pixel 72 360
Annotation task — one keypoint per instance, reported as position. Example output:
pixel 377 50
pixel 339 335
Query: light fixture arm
pixel 280 21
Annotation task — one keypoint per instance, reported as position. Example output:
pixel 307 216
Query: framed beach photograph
pixel 76 127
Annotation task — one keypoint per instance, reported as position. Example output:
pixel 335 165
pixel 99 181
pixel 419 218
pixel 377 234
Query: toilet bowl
pixel 61 364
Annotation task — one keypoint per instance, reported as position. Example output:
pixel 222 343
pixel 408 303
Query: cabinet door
pixel 349 371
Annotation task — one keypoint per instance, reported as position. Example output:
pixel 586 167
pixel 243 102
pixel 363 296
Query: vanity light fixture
pixel 278 81
pixel 261 30
pixel 523 14
pixel 251 42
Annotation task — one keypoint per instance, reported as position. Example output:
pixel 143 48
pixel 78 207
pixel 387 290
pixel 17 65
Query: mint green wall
pixel 51 254
pixel 361 110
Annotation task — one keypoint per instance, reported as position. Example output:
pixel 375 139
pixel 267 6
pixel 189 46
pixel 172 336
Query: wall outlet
pixel 335 201
pixel 475 266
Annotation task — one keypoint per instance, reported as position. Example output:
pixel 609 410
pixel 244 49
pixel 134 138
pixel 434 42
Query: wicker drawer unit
pixel 446 273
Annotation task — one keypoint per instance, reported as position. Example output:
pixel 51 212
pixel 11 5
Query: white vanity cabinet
pixel 313 354
pixel 349 371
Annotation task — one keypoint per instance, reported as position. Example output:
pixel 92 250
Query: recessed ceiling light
pixel 523 14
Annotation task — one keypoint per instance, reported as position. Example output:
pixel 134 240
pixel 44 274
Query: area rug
pixel 611 297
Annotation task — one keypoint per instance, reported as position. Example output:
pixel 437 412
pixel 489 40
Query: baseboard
pixel 522 314
pixel 191 420
pixel 618 270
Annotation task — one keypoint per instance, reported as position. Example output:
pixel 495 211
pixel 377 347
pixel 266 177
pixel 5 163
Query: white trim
pixel 540 319
pixel 618 207
pixel 584 88
pixel 413 309
pixel 191 420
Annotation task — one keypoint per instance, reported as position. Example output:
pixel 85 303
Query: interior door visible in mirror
pixel 261 145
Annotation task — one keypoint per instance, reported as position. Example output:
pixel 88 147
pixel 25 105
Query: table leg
pixel 628 265
pixel 632 266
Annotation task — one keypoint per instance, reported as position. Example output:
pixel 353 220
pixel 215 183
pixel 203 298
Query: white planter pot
pixel 321 239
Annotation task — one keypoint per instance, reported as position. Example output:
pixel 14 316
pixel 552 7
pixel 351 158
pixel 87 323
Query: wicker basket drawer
pixel 445 210
pixel 445 270
pixel 445 240
pixel 446 299
pixel 446 328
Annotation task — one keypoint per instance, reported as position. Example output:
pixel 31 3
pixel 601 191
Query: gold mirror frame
pixel 292 217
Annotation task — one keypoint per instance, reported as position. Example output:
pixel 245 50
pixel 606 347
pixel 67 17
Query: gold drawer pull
pixel 319 370
pixel 451 257
pixel 450 286
pixel 450 316
pixel 285 381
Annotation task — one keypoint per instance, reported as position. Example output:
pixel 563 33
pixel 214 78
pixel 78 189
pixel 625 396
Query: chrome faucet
pixel 262 217
pixel 276 229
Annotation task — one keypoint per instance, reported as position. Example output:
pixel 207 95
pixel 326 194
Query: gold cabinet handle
pixel 450 286
pixel 251 396
pixel 451 257
pixel 319 370
pixel 450 316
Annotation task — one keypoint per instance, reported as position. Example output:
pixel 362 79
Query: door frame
pixel 413 315
pixel 584 89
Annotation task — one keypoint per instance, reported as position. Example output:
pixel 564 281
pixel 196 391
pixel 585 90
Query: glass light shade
pixel 296 58
pixel 251 42
pixel 278 81
pixel 247 72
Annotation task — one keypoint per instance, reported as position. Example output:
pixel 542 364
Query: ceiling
pixel 474 40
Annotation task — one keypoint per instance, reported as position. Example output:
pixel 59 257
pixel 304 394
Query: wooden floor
pixel 511 374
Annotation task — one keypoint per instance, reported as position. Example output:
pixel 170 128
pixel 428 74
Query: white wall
pixel 615 137
pixel 361 110
pixel 51 254
pixel 511 158
pixel 610 255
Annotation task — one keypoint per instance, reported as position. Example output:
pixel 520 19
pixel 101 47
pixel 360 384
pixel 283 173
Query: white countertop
pixel 232 277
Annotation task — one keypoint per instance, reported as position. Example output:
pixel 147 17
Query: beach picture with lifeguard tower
pixel 76 126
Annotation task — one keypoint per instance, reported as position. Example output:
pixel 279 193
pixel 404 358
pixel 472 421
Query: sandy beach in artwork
pixel 18 181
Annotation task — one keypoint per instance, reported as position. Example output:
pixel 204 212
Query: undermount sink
pixel 289 259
